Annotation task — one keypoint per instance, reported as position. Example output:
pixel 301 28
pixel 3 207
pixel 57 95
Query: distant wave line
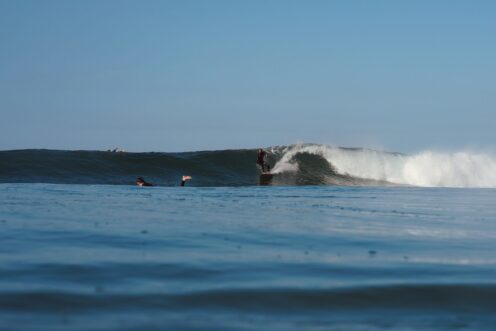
pixel 302 164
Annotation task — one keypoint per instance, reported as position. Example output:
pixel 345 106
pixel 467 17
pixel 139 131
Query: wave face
pixel 307 164
pixel 364 166
pixel 213 168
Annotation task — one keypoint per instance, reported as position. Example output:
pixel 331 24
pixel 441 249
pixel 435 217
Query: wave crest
pixel 304 164
pixel 428 168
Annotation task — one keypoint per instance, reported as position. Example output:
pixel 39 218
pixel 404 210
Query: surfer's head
pixel 141 182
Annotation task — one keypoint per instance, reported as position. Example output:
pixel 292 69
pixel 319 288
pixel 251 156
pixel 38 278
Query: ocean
pixel 304 164
pixel 82 248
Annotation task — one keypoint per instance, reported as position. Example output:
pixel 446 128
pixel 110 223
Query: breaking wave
pixel 303 164
pixel 431 169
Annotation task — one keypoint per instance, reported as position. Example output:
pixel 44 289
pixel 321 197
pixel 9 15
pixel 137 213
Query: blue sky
pixel 194 75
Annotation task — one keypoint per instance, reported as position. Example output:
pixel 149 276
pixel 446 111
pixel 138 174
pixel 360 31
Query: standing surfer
pixel 262 160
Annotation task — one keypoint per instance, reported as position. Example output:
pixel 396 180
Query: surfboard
pixel 265 178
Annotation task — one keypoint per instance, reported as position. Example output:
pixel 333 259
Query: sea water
pixel 97 257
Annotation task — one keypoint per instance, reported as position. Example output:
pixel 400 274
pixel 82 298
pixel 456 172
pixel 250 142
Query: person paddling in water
pixel 141 182
pixel 262 160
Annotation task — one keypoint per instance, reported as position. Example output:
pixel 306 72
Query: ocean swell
pixel 303 164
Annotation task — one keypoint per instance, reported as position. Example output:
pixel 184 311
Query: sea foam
pixel 426 168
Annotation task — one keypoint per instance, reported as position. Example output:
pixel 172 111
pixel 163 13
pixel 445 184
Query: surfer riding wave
pixel 262 160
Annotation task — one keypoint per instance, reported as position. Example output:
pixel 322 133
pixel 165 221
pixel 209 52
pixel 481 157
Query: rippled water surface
pixel 83 257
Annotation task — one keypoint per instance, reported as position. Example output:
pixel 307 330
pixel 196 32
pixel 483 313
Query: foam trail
pixel 460 169
pixel 427 168
pixel 285 164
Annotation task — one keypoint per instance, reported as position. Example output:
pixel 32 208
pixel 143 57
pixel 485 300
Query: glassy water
pixel 94 257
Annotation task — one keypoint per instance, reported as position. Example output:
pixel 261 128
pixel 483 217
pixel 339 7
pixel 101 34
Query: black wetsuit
pixel 261 159
pixel 142 182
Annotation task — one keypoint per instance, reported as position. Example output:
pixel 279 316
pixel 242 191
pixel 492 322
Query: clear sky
pixel 193 75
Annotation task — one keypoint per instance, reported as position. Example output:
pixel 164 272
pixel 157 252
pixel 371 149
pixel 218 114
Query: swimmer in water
pixel 141 182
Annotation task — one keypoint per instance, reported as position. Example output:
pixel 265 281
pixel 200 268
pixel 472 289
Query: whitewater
pixel 428 168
